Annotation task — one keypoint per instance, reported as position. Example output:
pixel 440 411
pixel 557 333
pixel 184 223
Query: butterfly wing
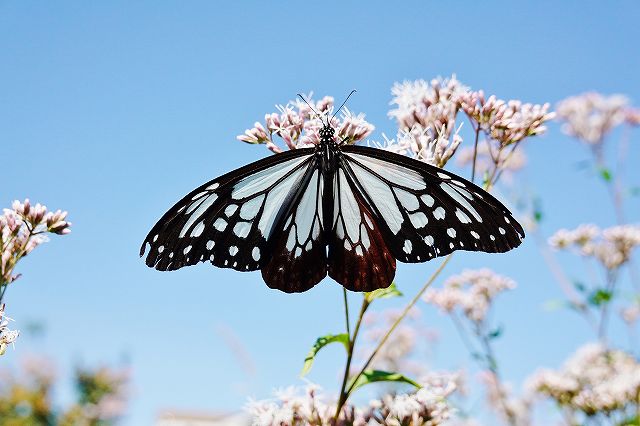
pixel 359 258
pixel 229 220
pixel 425 212
pixel 299 258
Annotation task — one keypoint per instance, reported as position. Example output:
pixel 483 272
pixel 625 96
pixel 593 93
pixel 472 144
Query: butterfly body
pixel 343 210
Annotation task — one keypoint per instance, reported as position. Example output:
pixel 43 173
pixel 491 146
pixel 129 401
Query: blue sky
pixel 113 111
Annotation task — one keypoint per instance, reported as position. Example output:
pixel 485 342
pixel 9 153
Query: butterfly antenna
pixel 309 105
pixel 345 101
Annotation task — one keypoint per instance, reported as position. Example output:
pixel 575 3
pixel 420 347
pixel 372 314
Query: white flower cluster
pixel 472 291
pixel 426 115
pixel 426 407
pixel 297 125
pixel 7 336
pixel 506 122
pixel 591 116
pixel 611 246
pixel 594 380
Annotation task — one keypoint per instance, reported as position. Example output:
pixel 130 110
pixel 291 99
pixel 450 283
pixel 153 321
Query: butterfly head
pixel 327 134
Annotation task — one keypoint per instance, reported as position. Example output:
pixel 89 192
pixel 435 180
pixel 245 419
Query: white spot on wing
pixel 255 253
pixel 203 205
pixel 453 193
pixel 197 231
pixel 502 231
pixel 451 232
pixel 249 210
pixel 462 216
pixel 210 244
pixel 242 229
pixel 231 209
pixel 407 199
pixel 220 224
pixel 419 219
pixel 233 250
pixel 186 250
pixel 443 176
pixel 407 247
pixel 428 200
pixel 429 240
pixel 439 213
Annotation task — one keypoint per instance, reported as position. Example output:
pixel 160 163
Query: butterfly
pixel 344 210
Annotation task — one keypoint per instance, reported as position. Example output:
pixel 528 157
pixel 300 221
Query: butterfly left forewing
pixel 227 221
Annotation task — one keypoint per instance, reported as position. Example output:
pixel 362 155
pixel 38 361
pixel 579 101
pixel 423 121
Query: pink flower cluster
pixel 298 125
pixel 612 246
pixel 472 291
pixel 22 229
pixel 506 122
pixel 591 116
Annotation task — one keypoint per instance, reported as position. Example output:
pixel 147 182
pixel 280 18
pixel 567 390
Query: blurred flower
pixel 507 122
pixel 593 380
pixel 426 407
pixel 633 116
pixel 486 159
pixel 516 411
pixel 591 116
pixel 472 291
pixel 398 353
pixel 612 246
pixel 630 314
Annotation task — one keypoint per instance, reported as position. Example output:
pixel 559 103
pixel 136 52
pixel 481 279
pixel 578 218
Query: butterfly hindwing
pixel 426 212
pixel 359 258
pixel 229 220
pixel 299 259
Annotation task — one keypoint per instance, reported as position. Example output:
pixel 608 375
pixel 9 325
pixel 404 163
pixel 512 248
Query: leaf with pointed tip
pixel 383 293
pixel 320 343
pixel 373 376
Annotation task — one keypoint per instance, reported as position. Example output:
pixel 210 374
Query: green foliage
pixel 605 174
pixel 320 343
pixel 373 376
pixel 26 400
pixel 633 421
pixel 600 297
pixel 383 293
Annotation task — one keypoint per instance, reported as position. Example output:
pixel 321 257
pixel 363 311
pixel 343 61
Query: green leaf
pixel 372 376
pixel 383 293
pixel 321 342
pixel 605 174
pixel 600 297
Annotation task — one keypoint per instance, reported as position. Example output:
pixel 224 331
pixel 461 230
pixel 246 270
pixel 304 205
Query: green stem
pixel 475 153
pixel 352 342
pixel 397 322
